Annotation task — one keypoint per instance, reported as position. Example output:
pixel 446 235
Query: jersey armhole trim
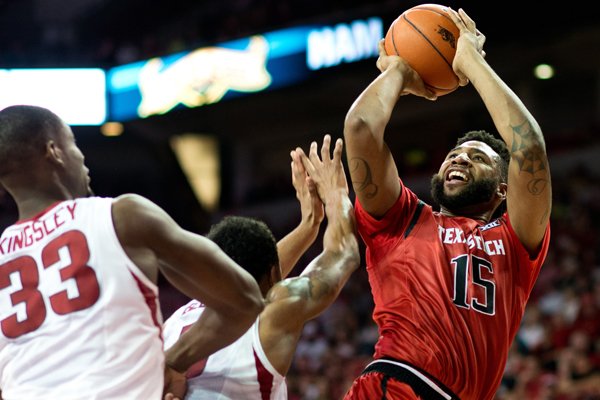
pixel 260 352
pixel 414 218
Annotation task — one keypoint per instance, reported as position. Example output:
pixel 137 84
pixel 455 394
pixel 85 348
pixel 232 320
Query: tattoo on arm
pixel 359 167
pixel 305 287
pixel 529 154
pixel 318 289
pixel 537 186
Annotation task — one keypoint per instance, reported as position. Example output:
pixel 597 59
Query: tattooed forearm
pixel 528 149
pixel 360 168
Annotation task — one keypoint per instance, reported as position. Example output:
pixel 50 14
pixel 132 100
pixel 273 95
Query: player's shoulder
pixel 134 206
pixel 130 200
pixel 89 201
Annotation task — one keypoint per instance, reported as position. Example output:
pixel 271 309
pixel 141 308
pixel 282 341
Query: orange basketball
pixel 425 37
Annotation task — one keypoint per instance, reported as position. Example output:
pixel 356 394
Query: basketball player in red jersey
pixel 450 287
pixel 254 366
pixel 78 296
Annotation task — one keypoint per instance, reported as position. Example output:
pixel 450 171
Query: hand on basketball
pixel 311 206
pixel 413 84
pixel 470 42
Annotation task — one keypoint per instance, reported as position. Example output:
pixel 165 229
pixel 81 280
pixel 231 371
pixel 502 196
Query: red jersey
pixel 449 292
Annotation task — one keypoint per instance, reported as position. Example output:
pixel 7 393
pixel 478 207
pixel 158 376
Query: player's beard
pixel 476 192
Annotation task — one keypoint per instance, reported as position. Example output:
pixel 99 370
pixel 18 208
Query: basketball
pixel 425 36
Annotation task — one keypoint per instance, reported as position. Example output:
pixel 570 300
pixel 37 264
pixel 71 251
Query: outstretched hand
pixel 311 206
pixel 470 42
pixel 326 172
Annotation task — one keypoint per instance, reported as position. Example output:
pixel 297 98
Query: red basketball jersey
pixel 449 292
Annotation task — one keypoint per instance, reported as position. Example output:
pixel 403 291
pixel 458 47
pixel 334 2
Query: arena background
pixel 557 351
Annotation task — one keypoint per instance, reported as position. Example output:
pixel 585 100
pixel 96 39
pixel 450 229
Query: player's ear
pixel 501 190
pixel 54 153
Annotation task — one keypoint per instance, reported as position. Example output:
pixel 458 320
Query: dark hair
pixel 249 242
pixel 499 147
pixel 24 131
pixel 496 144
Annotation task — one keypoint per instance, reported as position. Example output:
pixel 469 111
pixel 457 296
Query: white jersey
pixel 78 320
pixel 238 371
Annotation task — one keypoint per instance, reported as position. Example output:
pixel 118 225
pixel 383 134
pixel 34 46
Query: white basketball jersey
pixel 78 320
pixel 240 371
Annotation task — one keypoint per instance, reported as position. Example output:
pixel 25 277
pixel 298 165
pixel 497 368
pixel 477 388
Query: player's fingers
pixel 297 166
pixel 469 23
pixel 337 150
pixel 325 148
pixel 294 165
pixel 481 41
pixel 306 162
pixel 313 155
pixel 381 48
pixel 456 19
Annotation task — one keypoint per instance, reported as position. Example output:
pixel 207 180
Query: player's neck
pixel 469 212
pixel 29 208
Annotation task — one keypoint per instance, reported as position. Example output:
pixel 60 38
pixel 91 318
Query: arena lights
pixel 262 62
pixel 343 43
pixel 543 71
pixel 77 95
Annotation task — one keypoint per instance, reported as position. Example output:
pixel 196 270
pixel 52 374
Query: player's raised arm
pixel 194 265
pixel 529 198
pixel 328 273
pixel 293 301
pixel 372 168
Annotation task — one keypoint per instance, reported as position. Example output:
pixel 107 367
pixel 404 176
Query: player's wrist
pixel 174 365
pixel 336 202
pixel 177 369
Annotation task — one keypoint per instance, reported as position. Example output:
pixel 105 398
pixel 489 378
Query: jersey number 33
pixel 66 256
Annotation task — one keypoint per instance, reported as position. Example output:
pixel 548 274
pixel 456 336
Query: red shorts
pixel 388 379
pixel 371 386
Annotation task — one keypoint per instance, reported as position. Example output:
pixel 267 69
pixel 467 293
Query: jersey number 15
pixel 484 304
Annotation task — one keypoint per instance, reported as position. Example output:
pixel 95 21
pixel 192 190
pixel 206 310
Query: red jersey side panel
pixel 449 292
